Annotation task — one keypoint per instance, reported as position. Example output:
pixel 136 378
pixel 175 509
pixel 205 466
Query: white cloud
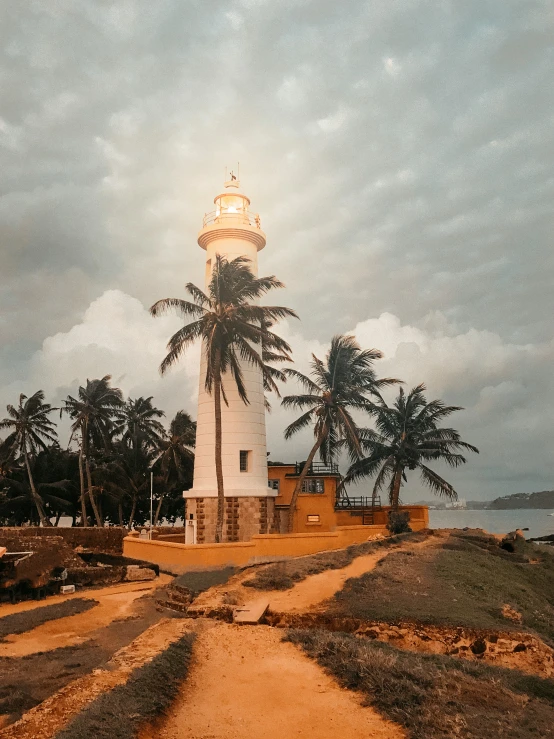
pixel 117 337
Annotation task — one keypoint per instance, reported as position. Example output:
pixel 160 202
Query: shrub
pixel 399 522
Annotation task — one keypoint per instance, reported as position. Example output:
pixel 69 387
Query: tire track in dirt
pixel 114 603
pixel 50 716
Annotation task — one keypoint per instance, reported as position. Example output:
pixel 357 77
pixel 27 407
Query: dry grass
pixel 283 575
pixel 465 582
pixel 150 690
pixel 18 623
pixel 198 582
pixel 432 696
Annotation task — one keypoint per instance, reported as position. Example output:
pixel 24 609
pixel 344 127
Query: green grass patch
pixel 463 582
pixel 120 713
pixel 18 623
pixel 434 696
pixel 284 575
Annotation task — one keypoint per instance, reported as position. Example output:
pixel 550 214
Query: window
pixel 273 485
pixel 313 485
pixel 313 518
pixel 244 459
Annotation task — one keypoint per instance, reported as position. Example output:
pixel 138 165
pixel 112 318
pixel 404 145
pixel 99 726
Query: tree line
pixel 123 449
pixel 121 444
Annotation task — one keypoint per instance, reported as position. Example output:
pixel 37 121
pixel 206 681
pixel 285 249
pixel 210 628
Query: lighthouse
pixel 231 230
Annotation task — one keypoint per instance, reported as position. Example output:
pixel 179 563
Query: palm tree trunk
pixel 120 512
pixel 39 503
pixel 218 447
pixel 133 509
pixel 395 489
pixel 84 519
pixel 158 509
pixel 91 493
pixel 301 478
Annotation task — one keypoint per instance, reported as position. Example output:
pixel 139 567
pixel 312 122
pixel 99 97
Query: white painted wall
pixel 243 425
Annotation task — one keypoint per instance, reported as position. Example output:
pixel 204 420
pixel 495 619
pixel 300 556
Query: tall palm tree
pixel 138 423
pixel 94 412
pixel 408 436
pixel 32 428
pixel 337 386
pixel 233 330
pixel 176 453
pixel 271 374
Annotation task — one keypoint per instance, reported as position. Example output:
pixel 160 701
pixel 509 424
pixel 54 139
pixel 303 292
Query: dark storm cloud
pixel 398 152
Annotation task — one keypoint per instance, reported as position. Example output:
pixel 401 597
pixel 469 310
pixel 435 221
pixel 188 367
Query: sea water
pixel 538 522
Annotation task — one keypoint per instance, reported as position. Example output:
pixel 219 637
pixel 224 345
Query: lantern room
pixel 232 205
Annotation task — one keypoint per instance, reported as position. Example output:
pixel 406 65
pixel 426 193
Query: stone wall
pixel 109 540
pixel 244 517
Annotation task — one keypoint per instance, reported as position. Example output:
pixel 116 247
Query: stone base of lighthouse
pixel 244 517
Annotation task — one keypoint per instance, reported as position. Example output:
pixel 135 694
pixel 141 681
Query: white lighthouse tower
pixel 232 231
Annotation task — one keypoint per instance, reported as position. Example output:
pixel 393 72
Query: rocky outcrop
pixel 518 650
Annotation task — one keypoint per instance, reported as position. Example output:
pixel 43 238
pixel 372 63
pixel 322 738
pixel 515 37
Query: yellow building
pixel 319 507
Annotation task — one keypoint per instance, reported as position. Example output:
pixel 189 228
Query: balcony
pixel 346 503
pixel 238 216
pixel 317 469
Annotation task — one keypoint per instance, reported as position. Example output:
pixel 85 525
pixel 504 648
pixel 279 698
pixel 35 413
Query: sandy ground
pixel 245 683
pixel 306 595
pixel 46 719
pixel 316 589
pixel 115 603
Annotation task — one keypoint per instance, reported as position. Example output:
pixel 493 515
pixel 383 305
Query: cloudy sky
pixel 399 153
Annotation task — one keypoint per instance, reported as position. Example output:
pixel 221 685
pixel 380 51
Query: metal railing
pixel 242 216
pixel 317 468
pixel 357 503
pixel 360 506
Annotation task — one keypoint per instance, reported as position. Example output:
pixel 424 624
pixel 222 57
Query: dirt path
pixel 306 595
pixel 314 590
pixel 115 603
pixel 246 683
pixel 46 719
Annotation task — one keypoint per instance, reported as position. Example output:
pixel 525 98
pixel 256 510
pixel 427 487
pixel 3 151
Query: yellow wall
pixel 319 504
pixel 262 547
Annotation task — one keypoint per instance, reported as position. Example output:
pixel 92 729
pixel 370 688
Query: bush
pixel 399 522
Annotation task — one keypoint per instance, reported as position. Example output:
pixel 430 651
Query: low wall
pixel 97 539
pixel 419 516
pixel 261 548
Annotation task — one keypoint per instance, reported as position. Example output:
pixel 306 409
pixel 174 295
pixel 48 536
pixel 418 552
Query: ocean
pixel 538 522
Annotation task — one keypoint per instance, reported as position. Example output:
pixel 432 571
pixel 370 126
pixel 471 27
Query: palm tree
pixel 176 456
pixel 233 330
pixel 407 437
pixel 16 496
pixel 271 374
pixel 341 384
pixel 31 427
pixel 138 424
pixel 93 413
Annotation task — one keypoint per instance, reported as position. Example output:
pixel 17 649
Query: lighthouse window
pixel 313 485
pixel 273 484
pixel 244 460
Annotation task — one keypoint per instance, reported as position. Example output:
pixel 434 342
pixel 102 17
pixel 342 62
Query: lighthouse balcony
pixel 244 217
